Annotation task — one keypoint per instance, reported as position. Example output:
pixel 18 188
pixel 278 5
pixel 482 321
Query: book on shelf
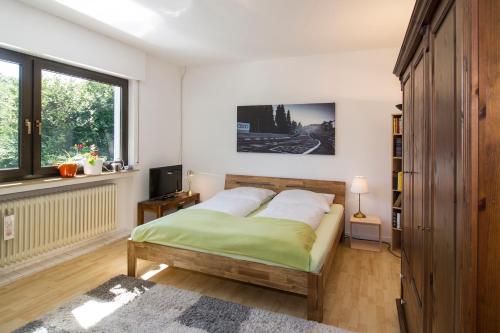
pixel 397 124
pixel 396 220
pixel 398 147
pixel 397 181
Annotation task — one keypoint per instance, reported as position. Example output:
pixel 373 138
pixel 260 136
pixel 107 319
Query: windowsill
pixel 52 182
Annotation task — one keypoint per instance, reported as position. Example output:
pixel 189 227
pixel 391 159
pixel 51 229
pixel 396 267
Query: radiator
pixel 47 222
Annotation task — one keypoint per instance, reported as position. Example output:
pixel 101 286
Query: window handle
pixel 39 126
pixel 27 123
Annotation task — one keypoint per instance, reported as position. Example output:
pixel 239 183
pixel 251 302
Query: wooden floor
pixel 359 295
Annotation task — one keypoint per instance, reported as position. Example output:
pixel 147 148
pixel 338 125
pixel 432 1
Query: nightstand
pixel 369 220
pixel 161 205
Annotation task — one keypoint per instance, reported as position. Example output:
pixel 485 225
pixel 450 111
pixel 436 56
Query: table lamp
pixel 190 174
pixel 359 185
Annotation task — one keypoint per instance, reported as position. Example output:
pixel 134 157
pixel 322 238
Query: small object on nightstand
pixel 359 186
pixel 159 206
pixel 364 244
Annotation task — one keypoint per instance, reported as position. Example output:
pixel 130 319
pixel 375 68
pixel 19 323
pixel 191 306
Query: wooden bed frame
pixel 287 279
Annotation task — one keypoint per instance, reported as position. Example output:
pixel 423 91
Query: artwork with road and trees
pixel 287 128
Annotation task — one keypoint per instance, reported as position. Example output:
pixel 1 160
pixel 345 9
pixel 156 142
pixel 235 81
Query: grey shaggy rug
pixel 125 304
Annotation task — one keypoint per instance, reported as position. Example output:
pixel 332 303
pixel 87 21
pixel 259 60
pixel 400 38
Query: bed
pixel 308 283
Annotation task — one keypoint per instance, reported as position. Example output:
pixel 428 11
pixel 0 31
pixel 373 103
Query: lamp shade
pixel 359 185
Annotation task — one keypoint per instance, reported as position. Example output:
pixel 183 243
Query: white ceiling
pixel 190 32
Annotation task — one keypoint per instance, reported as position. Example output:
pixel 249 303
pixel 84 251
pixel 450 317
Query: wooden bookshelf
pixel 397 167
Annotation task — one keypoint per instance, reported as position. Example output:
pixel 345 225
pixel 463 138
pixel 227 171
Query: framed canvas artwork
pixel 287 128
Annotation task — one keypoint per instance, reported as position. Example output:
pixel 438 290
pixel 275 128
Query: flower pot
pixel 68 170
pixel 92 169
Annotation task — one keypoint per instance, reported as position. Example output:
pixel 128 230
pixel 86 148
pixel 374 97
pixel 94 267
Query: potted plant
pixel 92 163
pixel 68 167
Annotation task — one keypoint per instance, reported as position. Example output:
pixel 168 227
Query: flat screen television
pixel 165 182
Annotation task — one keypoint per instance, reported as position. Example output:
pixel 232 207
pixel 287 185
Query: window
pixel 47 107
pixel 9 114
pixel 15 113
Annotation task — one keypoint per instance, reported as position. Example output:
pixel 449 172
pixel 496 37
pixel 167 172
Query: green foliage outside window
pixel 9 123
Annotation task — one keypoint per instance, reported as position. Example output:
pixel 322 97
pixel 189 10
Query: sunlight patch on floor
pixel 149 274
pixel 92 312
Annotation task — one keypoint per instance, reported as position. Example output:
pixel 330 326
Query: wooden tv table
pixel 159 206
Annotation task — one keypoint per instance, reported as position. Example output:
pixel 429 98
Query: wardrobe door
pixel 488 279
pixel 419 176
pixel 407 256
pixel 407 165
pixel 443 126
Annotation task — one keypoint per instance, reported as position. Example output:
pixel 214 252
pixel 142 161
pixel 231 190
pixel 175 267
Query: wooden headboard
pixel 280 184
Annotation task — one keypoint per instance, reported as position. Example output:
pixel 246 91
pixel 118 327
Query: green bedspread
pixel 280 241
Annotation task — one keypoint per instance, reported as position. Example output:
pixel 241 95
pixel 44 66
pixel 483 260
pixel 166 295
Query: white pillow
pixel 302 197
pixel 237 206
pixel 308 214
pixel 259 194
pixel 329 197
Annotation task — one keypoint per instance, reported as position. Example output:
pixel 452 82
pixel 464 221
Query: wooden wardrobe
pixel 449 67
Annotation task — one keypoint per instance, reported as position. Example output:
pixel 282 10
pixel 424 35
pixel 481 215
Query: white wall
pixel 32 31
pixel 159 120
pixel 157 137
pixel 361 85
